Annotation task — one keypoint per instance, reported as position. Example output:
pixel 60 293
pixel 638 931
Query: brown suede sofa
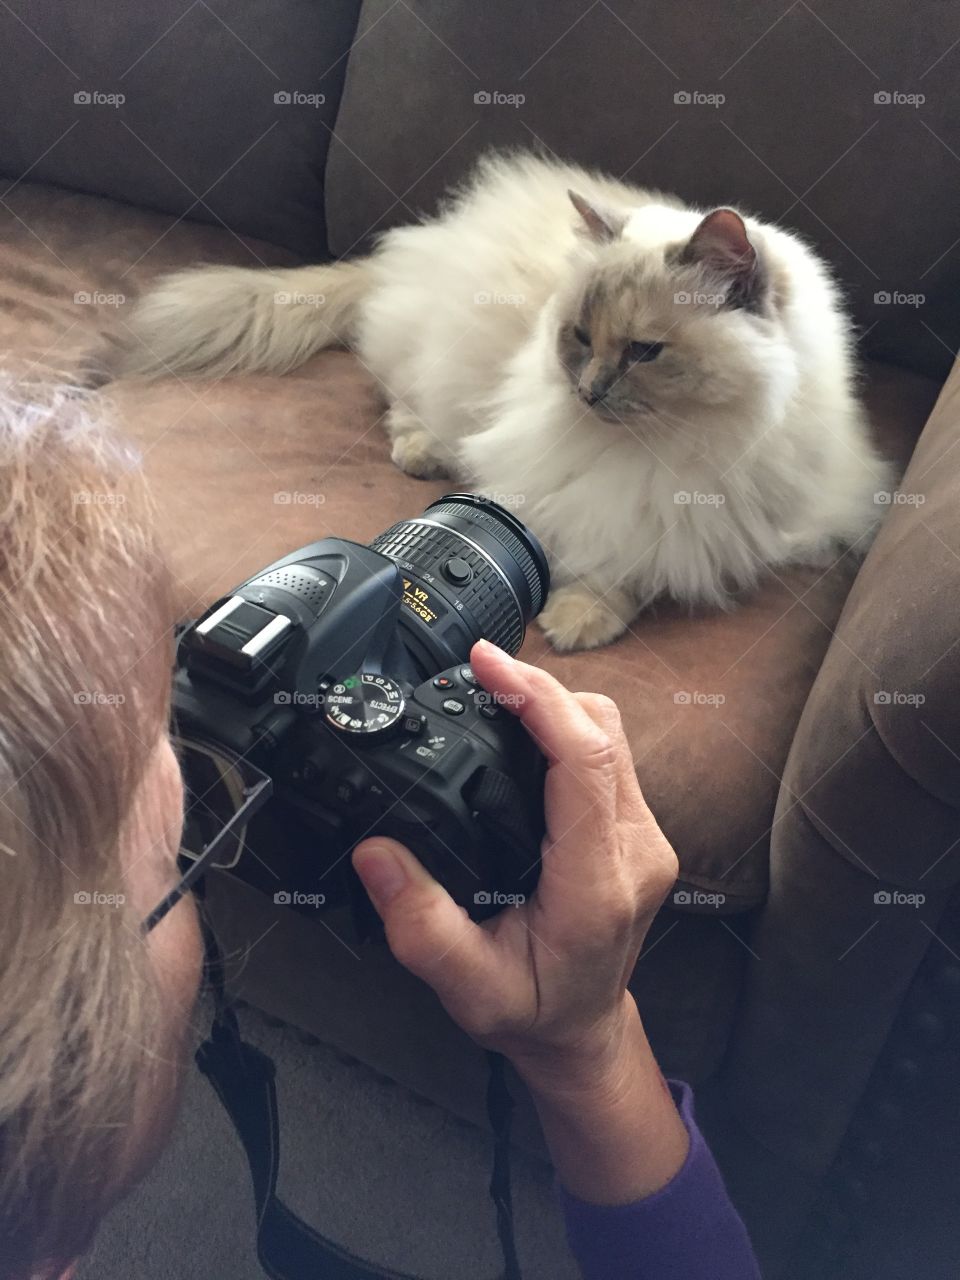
pixel 806 975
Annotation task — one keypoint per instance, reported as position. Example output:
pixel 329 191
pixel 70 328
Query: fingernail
pixel 488 648
pixel 382 874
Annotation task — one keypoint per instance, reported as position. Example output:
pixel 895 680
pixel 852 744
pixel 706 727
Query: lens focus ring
pixel 497 529
pixel 491 603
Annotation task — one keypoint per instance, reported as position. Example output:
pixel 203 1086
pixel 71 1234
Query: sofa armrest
pixel 865 846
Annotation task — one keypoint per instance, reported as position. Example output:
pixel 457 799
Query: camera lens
pixel 478 556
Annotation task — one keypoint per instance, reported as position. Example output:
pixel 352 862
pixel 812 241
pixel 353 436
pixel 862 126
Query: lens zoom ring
pixel 497 529
pixel 489 602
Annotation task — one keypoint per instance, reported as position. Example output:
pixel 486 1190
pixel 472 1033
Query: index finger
pixel 580 797
pixel 550 713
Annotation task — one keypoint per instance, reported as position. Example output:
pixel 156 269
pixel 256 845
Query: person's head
pixel 91 1017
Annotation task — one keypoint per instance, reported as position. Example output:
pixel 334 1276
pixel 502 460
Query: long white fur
pixel 213 321
pixel 458 320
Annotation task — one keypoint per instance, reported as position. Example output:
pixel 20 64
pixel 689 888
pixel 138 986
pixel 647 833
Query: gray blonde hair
pixel 85 620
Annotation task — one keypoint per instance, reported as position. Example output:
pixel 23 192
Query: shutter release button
pixel 457 571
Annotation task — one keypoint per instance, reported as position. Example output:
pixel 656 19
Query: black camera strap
pixel 244 1081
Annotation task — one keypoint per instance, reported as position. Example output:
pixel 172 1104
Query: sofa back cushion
pixel 213 110
pixel 807 113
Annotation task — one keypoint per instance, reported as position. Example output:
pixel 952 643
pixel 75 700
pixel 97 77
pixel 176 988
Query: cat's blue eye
pixel 581 335
pixel 639 352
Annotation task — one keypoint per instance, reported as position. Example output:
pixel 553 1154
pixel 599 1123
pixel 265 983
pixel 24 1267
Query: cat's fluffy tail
pixel 219 320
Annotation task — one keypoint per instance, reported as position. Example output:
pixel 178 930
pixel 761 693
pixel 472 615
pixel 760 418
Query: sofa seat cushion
pixel 249 468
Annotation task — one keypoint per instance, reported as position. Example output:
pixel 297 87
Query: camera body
pixel 341 672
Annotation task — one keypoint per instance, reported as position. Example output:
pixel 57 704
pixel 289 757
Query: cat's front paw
pixel 575 618
pixel 417 454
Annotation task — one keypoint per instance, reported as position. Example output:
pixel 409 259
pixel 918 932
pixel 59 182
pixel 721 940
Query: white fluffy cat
pixel 666 396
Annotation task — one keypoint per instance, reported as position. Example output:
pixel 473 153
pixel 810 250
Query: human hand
pixel 545 982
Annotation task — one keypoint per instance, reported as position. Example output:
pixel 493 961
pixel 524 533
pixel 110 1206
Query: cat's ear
pixel 721 244
pixel 602 225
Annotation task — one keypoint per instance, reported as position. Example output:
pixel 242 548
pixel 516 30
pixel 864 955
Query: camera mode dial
pixel 364 705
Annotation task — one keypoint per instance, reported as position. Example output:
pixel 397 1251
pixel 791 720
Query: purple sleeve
pixel 689 1230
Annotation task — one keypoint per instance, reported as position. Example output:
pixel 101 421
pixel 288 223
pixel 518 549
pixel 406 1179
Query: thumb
pixel 427 932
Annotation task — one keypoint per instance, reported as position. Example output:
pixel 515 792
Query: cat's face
pixel 661 334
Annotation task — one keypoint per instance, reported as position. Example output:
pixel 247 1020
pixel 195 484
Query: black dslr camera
pixel 335 682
